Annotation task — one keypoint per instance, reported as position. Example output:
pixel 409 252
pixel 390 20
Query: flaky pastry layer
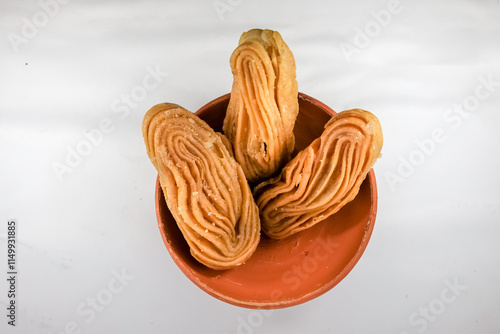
pixel 264 104
pixel 323 177
pixel 204 187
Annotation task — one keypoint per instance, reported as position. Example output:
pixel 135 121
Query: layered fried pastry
pixel 264 104
pixel 204 187
pixel 323 177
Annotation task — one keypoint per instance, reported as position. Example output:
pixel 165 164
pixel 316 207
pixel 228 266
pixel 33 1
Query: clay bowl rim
pixel 191 274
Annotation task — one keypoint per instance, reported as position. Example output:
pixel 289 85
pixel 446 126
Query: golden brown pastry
pixel 204 187
pixel 323 177
pixel 264 104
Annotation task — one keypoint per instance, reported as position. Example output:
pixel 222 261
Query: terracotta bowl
pixel 293 270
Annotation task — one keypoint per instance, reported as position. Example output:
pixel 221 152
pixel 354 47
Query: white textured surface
pixel 438 219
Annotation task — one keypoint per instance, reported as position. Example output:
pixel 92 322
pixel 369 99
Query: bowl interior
pixel 291 271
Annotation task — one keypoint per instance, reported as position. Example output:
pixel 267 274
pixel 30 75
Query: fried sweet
pixel 264 104
pixel 323 177
pixel 204 187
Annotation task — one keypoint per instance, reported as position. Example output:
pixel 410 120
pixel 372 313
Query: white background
pixel 68 67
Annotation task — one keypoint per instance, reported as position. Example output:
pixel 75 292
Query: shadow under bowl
pixel 294 270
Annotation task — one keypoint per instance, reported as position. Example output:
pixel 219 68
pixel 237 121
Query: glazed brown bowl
pixel 294 270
